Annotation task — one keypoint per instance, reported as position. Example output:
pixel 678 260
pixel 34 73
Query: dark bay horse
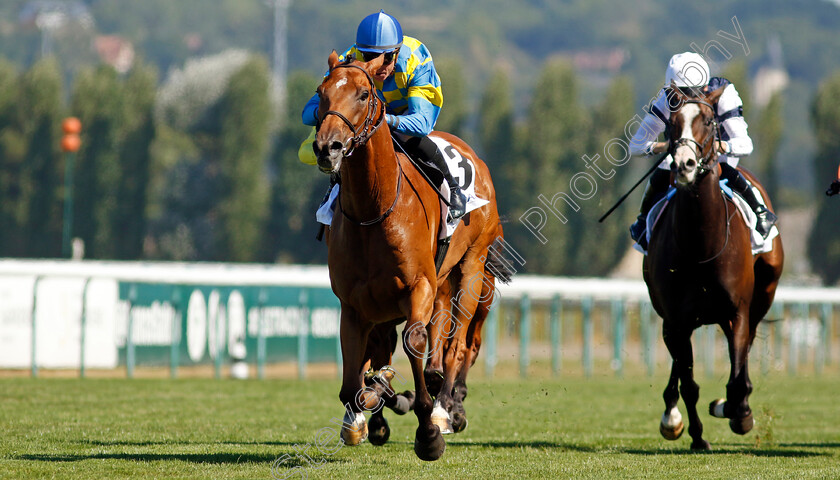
pixel 700 270
pixel 382 243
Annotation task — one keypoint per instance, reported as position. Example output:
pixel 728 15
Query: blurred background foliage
pixel 189 148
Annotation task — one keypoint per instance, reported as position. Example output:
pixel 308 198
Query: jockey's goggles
pixel 389 56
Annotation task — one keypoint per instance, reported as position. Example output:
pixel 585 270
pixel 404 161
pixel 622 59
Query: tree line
pixel 202 167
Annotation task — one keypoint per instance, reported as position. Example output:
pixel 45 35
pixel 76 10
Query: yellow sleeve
pixel 305 152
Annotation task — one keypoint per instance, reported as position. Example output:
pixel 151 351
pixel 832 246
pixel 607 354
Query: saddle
pixel 759 243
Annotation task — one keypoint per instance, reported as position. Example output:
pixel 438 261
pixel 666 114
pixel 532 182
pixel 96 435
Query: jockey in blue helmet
pixel 410 87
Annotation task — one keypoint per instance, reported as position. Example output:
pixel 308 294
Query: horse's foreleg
pixel 736 407
pixel 428 441
pixel 671 426
pixel 353 396
pixel 679 345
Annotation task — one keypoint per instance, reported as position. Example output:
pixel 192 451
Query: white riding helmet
pixel 687 70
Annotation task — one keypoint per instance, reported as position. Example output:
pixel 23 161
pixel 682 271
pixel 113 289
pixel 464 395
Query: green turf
pixel 540 428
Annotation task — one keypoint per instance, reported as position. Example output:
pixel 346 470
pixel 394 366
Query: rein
pixel 360 137
pixel 705 164
pixel 728 221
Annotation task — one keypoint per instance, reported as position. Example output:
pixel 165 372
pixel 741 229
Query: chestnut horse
pixel 381 246
pixel 700 270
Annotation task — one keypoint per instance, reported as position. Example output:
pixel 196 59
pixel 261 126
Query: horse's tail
pixel 496 264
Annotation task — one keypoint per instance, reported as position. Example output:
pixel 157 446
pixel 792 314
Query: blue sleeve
pixel 310 111
pixel 419 119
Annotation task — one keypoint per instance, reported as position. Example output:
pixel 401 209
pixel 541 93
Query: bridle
pixel 706 162
pixel 363 133
pixel 360 136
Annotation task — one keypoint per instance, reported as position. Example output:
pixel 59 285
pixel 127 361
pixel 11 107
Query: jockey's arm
pixel 729 108
pixel 424 101
pixel 309 116
pixel 418 119
pixel 644 140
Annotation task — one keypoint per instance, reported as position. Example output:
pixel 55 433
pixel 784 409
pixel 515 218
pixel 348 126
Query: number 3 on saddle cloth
pixel 462 169
pixel 759 243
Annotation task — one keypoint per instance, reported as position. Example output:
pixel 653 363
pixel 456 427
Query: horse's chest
pixel 695 294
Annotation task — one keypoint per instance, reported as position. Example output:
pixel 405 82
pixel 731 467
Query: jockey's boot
pixel 656 188
pixel 834 188
pixel 765 219
pixel 457 199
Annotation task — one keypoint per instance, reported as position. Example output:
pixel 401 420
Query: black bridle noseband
pixel 707 162
pixel 360 136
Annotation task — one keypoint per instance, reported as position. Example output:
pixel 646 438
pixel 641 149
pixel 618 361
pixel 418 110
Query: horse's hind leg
pixel 736 407
pixel 459 392
pixel 434 364
pixel 679 346
pixel 464 305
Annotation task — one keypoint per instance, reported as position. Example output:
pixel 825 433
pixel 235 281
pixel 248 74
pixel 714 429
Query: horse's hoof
pixel 716 408
pixel 386 374
pixel 700 445
pixel 402 403
pixel 357 431
pixel 459 422
pixel 409 394
pixel 379 430
pixel 431 447
pixel 671 433
pixel 742 425
pixel 440 417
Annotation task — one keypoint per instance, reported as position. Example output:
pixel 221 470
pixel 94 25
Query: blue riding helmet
pixel 379 33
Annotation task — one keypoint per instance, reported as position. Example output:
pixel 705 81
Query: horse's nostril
pixel 690 163
pixel 336 145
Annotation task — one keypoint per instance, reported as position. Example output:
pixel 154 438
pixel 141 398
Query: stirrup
pixel 765 219
pixel 457 204
pixel 637 230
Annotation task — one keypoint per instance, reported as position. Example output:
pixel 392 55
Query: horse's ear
pixel 675 93
pixel 713 97
pixel 372 66
pixel 333 60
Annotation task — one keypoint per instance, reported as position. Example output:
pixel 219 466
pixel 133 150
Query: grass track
pixel 537 428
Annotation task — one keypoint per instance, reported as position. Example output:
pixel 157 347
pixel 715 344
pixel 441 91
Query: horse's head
pixel 349 110
pixel 693 133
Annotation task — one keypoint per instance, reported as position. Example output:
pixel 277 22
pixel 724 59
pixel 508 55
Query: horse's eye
pixel 364 96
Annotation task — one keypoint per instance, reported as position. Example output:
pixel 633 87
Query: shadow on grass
pixel 740 450
pixel 213 458
pixel 150 443
pixel 781 450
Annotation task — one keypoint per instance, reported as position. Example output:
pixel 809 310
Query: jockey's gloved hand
pixel 833 189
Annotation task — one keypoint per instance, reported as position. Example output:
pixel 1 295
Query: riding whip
pixel 624 197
